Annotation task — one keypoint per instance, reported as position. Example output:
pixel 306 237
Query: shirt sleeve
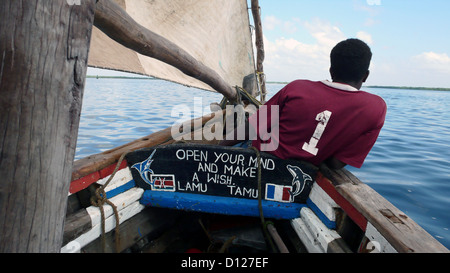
pixel 263 117
pixel 355 153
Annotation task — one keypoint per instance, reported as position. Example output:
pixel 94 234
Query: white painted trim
pixel 377 241
pixel 320 232
pixel 312 246
pixel 314 234
pixel 110 223
pixel 121 178
pixel 324 202
pixel 120 201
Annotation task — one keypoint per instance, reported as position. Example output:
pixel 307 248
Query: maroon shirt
pixel 318 120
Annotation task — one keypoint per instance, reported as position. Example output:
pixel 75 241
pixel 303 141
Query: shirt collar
pixel 340 86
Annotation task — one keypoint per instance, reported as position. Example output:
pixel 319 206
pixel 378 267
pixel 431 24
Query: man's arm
pixel 232 138
pixel 334 163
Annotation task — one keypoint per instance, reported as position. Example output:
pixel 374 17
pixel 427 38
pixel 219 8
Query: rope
pixel 261 213
pixel 99 201
pixel 241 93
pixel 244 93
pixel 261 76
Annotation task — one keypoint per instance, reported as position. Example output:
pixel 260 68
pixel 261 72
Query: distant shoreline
pixel 391 87
pixel 410 88
pixel 369 86
pixel 120 77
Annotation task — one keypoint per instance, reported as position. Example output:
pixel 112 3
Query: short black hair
pixel 350 60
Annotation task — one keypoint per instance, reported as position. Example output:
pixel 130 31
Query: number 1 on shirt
pixel 323 119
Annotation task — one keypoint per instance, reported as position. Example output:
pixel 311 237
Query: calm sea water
pixel 409 165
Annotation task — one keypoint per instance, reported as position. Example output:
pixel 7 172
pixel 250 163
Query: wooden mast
pixel 260 49
pixel 43 50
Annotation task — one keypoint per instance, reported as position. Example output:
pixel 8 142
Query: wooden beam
pixel 76 224
pixel 121 27
pixel 43 61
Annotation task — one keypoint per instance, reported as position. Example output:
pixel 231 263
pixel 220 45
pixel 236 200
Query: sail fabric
pixel 215 32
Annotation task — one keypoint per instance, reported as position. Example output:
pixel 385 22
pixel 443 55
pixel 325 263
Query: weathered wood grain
pixel 149 221
pixel 260 53
pixel 401 232
pixel 76 224
pixel 43 60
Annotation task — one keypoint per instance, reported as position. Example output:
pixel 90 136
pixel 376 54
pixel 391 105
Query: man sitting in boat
pixel 323 122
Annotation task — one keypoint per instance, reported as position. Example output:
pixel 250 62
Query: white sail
pixel 215 32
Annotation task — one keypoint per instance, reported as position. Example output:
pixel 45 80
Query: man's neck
pixel 340 86
pixel 352 84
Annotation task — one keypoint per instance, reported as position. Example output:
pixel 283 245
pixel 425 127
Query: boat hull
pixel 335 212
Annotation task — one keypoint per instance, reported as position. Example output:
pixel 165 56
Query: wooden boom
pixel 119 26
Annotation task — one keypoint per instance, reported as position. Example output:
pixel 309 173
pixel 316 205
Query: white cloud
pixel 289 59
pixel 428 69
pixel 371 22
pixel 364 36
pixel 271 22
pixel 326 34
pixel 434 62
pixel 434 58
pixel 289 27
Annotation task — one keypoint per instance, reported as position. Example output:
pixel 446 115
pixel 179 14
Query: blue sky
pixel 410 39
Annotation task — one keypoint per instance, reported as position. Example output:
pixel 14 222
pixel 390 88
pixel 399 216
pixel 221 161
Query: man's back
pixel 319 120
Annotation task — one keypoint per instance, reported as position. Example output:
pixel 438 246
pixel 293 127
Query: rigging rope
pixel 261 213
pixel 261 76
pixel 99 201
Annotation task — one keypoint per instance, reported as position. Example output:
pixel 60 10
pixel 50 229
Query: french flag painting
pixel 279 193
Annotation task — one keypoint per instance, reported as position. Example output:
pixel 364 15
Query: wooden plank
pixel 120 183
pixel 400 231
pixel 44 49
pixel 75 225
pixel 305 236
pixel 377 243
pixel 121 201
pixel 323 206
pixel 110 223
pixel 84 182
pixel 316 237
pixel 84 220
pixel 347 206
pixel 149 221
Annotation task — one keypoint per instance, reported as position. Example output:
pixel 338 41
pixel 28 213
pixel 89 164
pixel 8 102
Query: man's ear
pixel 332 74
pixel 366 76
